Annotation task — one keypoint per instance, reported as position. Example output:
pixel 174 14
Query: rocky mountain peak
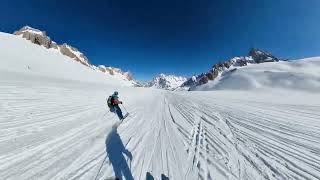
pixel 31 30
pixel 260 56
pixel 36 36
pixel 168 82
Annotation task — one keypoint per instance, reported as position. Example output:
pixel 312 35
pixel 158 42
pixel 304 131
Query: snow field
pixel 59 129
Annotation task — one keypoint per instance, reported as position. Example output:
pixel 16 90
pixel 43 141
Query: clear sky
pixel 181 37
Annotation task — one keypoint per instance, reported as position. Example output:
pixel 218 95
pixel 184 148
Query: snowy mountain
pixel 168 82
pixel 255 56
pixel 40 38
pixel 262 124
pixel 301 75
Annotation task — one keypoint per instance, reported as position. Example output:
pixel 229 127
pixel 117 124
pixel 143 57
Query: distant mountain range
pixel 255 56
pixel 168 82
pixel 171 82
pixel 162 81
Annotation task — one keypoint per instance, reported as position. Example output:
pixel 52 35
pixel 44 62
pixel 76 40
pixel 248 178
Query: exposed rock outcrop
pixel 260 56
pixel 36 36
pixel 74 53
pixel 115 71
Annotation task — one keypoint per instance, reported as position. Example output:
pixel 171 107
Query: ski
pixel 126 115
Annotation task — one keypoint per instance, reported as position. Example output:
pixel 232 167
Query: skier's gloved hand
pixel 120 102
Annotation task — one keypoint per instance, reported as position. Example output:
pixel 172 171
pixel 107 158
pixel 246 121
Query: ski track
pixel 56 131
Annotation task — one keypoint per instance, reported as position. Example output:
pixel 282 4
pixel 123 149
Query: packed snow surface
pixel 55 124
pixel 62 129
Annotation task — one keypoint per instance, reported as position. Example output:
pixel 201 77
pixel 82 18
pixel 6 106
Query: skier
pixel 113 104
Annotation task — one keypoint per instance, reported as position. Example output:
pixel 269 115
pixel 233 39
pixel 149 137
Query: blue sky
pixel 184 37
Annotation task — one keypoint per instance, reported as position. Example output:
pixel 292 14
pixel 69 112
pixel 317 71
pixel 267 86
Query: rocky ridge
pixel 255 56
pixel 39 37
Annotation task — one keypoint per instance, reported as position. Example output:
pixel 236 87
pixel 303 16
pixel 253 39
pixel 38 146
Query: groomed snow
pixel 60 129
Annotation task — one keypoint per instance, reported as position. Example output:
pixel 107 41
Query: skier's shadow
pixel 115 150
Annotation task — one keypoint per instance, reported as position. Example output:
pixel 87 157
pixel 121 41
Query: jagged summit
pixel 36 36
pixel 31 30
pixel 260 56
pixel 168 82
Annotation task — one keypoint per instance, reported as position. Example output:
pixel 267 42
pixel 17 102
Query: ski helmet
pixel 116 93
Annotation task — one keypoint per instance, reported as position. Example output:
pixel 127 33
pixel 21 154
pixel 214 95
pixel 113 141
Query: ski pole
pixel 124 108
pixel 101 166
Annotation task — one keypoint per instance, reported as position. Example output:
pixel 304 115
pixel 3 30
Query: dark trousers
pixel 118 111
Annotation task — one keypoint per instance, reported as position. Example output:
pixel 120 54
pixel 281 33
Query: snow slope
pixel 298 75
pixel 61 129
pixel 20 55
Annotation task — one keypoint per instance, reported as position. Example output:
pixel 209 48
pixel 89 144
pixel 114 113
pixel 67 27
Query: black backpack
pixel 110 101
